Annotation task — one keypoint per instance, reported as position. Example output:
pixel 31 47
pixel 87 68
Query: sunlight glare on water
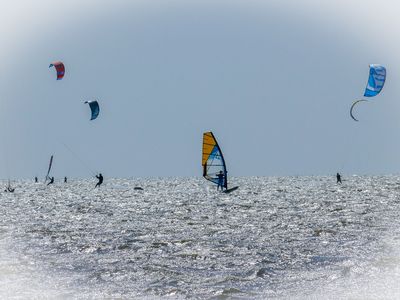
pixel 274 237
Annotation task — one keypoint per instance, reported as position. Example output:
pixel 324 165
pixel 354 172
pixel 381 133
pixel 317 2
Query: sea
pixel 179 238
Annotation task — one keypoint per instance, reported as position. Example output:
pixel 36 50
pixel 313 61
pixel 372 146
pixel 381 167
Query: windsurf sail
pixel 95 108
pixel 376 80
pixel 48 171
pixel 213 161
pixel 60 68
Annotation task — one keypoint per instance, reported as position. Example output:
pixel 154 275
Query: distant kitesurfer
pixel 65 179
pixel 51 180
pixel 100 178
pixel 36 179
pixel 220 177
pixel 338 178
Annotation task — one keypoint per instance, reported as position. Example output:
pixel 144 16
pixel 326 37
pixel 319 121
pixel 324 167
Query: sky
pixel 274 81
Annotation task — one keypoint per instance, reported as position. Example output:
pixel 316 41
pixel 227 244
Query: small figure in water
pixel 100 178
pixel 220 177
pixel 36 180
pixel 65 179
pixel 51 180
pixel 9 188
pixel 338 178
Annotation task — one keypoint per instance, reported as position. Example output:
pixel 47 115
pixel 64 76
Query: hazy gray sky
pixel 274 81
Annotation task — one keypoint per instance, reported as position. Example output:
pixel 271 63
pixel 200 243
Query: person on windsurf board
pixel 213 162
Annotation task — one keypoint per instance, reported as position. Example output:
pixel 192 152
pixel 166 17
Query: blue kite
pixel 95 108
pixel 376 80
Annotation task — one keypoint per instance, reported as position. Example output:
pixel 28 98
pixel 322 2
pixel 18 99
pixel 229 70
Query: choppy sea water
pixel 178 238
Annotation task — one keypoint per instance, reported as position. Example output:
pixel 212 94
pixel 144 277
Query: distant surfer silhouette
pixel 220 177
pixel 338 178
pixel 9 188
pixel 36 180
pixel 100 178
pixel 65 179
pixel 51 180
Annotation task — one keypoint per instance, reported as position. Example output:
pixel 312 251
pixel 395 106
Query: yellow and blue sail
pixel 376 80
pixel 212 160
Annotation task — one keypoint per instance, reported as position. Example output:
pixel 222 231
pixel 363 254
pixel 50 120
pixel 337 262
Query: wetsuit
pixel 220 177
pixel 338 178
pixel 100 178
pixel 51 181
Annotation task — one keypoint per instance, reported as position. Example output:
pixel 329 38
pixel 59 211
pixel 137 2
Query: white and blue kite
pixel 376 81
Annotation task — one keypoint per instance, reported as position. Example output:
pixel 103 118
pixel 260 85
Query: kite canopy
pixel 95 108
pixel 213 161
pixel 59 66
pixel 376 80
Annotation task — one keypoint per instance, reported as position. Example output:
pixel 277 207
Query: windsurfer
pixel 220 177
pixel 100 178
